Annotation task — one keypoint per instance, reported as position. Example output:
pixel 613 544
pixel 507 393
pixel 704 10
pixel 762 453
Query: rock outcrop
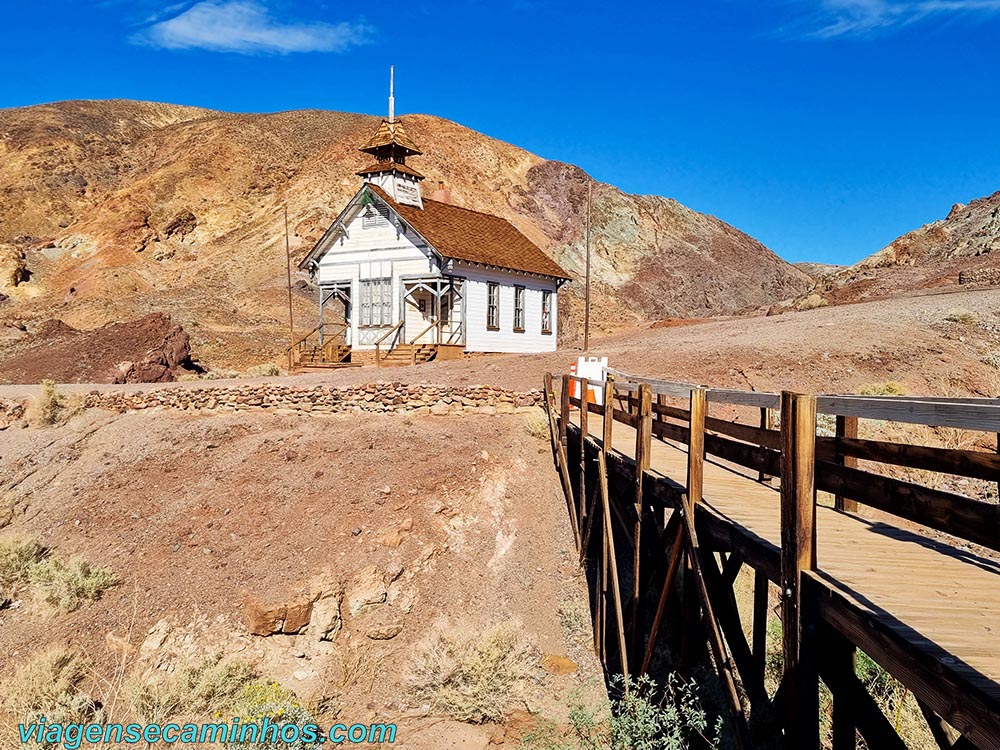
pixel 152 349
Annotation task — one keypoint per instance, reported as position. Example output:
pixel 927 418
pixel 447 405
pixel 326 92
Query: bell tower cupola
pixel 390 146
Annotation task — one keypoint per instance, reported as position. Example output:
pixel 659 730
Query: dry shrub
pixel 266 370
pixel 961 315
pixel 17 557
pixel 471 674
pixel 536 422
pixel 67 585
pixel 203 689
pixel 48 684
pixel 54 407
pixel 888 388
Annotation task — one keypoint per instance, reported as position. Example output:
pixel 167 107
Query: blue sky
pixel 825 128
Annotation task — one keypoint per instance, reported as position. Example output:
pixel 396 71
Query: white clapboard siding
pixel 376 248
pixel 376 251
pixel 479 339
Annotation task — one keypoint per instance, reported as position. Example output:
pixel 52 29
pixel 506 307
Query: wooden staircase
pixel 409 354
pixel 329 356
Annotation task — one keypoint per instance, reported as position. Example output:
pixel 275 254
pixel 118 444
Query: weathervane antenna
pixel 392 99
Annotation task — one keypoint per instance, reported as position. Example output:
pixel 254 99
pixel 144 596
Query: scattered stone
pixel 326 619
pixel 118 645
pixel 297 616
pixel 263 619
pixel 558 665
pixel 155 638
pixel 367 590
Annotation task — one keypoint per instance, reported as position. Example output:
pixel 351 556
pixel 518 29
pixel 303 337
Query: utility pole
pixel 586 304
pixel 291 322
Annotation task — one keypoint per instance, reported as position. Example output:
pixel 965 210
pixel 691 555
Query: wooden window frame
pixel 546 312
pixel 519 308
pixel 384 304
pixel 492 306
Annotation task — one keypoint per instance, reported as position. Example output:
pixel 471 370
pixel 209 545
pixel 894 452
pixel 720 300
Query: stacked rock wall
pixel 373 397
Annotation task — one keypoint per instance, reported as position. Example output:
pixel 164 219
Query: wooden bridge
pixel 669 502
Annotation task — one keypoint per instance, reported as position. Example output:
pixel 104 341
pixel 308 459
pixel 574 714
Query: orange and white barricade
pixel 590 368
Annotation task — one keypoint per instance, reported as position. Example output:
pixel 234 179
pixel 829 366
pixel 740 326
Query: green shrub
pixel 471 675
pixel 643 718
pixel 67 585
pixel 46 409
pixel 261 700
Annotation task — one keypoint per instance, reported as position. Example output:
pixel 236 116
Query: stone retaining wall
pixel 980 276
pixel 374 397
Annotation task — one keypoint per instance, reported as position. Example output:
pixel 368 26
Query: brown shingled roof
pixel 474 237
pixel 385 166
pixel 389 133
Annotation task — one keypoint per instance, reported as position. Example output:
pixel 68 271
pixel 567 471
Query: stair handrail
pixel 302 340
pixel 413 344
pixel 378 343
pixel 334 334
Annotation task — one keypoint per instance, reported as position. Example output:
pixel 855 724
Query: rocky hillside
pixel 961 249
pixel 114 210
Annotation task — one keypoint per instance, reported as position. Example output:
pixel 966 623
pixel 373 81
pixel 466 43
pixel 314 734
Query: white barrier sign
pixel 591 368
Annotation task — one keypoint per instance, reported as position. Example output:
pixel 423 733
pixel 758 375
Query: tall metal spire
pixel 392 99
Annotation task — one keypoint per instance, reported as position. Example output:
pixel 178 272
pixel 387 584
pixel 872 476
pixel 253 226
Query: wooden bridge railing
pixel 661 515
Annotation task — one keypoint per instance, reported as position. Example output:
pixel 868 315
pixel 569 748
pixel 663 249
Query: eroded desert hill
pixel 113 210
pixel 963 249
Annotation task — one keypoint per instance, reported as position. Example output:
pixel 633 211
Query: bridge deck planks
pixel 936 596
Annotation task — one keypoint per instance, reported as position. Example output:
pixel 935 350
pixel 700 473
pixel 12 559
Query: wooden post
pixel 798 553
pixel 692 640
pixel 559 448
pixel 609 414
pixel 584 432
pixel 842 656
pixel 765 424
pixel 696 447
pixel 602 459
pixel 609 541
pixel 695 491
pixel 759 648
pixel 643 447
pixel 564 410
pixel 847 427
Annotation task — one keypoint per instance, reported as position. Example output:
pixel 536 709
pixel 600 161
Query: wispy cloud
pixel 247 27
pixel 841 18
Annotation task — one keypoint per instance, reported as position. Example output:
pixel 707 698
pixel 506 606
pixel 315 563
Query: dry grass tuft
pixel 888 388
pixel 53 407
pixel 17 557
pixel 48 684
pixel 961 315
pixel 471 674
pixel 268 369
pixel 536 422
pixel 67 585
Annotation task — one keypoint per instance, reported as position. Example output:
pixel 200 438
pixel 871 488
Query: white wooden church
pixel 408 278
